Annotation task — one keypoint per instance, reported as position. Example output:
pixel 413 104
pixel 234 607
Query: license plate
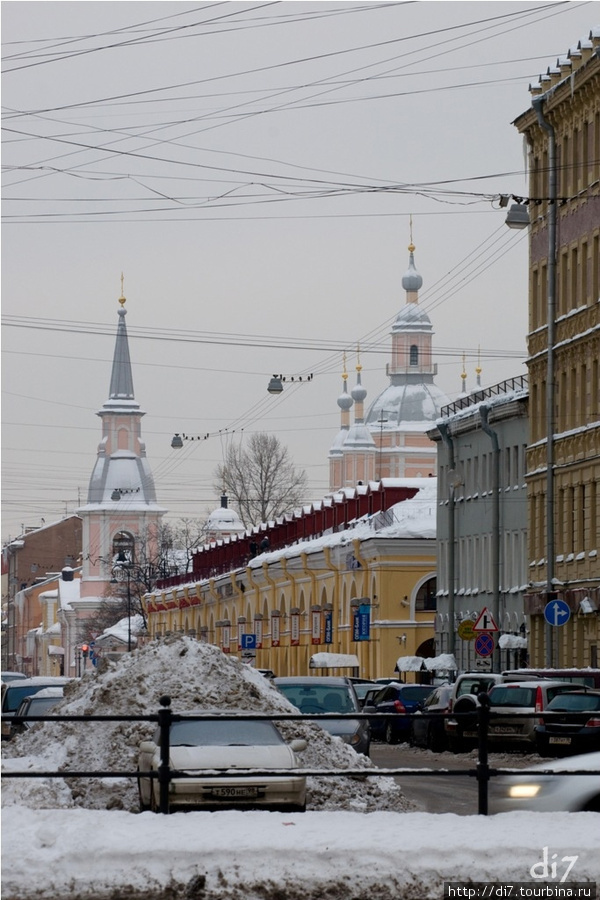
pixel 470 734
pixel 504 729
pixel 234 792
pixel 559 740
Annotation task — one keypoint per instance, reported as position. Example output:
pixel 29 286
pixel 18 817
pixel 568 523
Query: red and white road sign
pixel 485 621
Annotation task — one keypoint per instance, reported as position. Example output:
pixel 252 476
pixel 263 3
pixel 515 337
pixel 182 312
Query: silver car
pixel 224 745
pixel 558 792
pixel 512 701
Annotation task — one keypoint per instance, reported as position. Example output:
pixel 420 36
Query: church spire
pixel 121 379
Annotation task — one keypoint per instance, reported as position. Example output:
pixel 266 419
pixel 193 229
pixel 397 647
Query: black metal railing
pixel 165 717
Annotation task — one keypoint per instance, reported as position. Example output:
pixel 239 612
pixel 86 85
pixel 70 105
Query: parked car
pixel 12 676
pixel 427 726
pixel 365 689
pixel 329 694
pixel 461 732
pixel 224 745
pixel 35 705
pixel 14 692
pixel 573 725
pixel 393 704
pixel 520 697
pixel 587 677
pixel 558 792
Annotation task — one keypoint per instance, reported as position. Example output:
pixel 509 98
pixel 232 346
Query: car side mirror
pixel 298 745
pixel 369 708
pixel 147 747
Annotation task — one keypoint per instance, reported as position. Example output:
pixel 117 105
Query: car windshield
pixel 575 702
pixel 39 705
pixel 363 689
pixel 473 686
pixel 319 698
pixel 227 733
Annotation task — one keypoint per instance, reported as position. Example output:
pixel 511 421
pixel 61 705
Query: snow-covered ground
pixel 360 840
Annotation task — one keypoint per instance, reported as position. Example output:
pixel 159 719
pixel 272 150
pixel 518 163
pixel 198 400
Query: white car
pixel 224 745
pixel 558 792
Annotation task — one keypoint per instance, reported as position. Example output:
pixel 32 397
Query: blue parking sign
pixel 248 642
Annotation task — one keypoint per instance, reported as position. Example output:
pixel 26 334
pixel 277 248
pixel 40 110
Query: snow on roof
pixel 413 518
pixel 122 631
pixel 334 661
pixel 69 592
pixel 512 642
pixel 409 663
pixel 445 662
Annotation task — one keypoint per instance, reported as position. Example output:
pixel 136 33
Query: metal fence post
pixel 483 769
pixel 164 773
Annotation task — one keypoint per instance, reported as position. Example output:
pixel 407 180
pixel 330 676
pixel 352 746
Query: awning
pixel 56 651
pixel 334 661
pixel 410 664
pixel 443 663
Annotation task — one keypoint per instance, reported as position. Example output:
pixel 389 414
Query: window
pixel 124 547
pixel 426 596
pixel 414 355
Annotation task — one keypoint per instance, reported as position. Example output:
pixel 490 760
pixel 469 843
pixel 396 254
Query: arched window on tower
pixel 426 598
pixel 414 355
pixel 123 547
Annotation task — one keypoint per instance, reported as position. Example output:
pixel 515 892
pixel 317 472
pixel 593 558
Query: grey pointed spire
pixel 121 379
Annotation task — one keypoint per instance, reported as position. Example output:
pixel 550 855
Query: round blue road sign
pixel 484 644
pixel 557 612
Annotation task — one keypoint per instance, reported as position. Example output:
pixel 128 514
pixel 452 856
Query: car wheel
pixel 434 742
pixel 154 806
pixel 144 807
pixel 455 745
pixel 390 735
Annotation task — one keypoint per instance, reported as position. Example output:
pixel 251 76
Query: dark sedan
pixel 572 727
pixel 393 704
pixel 427 729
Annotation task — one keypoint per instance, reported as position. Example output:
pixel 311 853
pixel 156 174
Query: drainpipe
pixel 493 436
pixel 447 439
pixel 550 386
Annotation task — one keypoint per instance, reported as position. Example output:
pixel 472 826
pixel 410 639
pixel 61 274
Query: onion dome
pixel 412 280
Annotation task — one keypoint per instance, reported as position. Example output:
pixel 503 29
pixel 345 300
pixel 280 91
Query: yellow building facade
pixel 370 595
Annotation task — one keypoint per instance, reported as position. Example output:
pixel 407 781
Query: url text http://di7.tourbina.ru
pixel 519 890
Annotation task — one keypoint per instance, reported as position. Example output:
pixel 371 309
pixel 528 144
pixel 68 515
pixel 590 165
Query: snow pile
pixel 196 677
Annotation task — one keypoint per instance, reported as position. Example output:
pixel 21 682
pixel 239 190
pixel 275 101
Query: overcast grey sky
pixel 251 168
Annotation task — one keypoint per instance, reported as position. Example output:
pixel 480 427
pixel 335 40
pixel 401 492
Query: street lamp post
pixel 125 568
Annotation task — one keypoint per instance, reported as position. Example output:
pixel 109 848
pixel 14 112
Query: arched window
pixel 414 355
pixel 426 598
pixel 123 547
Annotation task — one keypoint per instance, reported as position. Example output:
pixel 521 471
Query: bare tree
pixel 261 480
